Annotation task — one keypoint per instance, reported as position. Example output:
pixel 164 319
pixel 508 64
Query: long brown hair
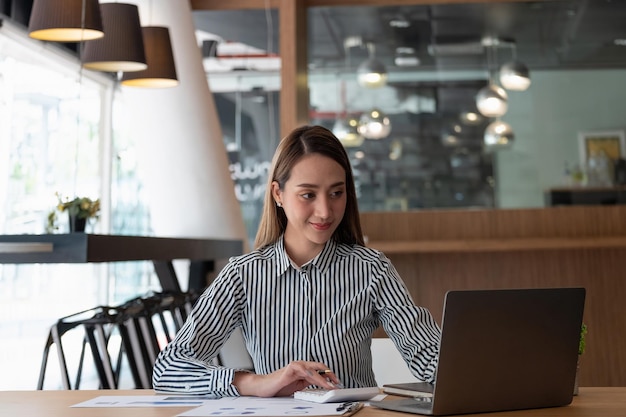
pixel 306 140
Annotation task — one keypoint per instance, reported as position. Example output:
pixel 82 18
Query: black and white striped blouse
pixel 325 311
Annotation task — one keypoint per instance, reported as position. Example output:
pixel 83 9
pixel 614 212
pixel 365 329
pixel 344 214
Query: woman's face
pixel 314 201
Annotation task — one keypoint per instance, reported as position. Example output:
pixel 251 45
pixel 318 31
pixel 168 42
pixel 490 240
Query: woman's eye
pixel 337 194
pixel 307 196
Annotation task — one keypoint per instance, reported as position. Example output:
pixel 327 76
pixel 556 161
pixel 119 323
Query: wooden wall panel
pixel 429 274
pixel 570 222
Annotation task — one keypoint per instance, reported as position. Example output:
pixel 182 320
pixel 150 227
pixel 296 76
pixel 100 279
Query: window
pixel 51 141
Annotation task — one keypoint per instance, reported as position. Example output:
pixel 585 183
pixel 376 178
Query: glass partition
pixel 438 57
pixel 438 60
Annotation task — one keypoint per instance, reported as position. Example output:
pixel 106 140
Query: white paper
pixel 143 401
pixel 255 406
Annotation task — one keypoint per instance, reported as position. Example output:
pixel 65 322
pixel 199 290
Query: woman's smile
pixel 321 226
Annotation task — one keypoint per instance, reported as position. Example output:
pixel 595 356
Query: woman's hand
pixel 285 381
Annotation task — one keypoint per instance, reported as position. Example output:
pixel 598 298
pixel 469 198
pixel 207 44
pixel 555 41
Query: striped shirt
pixel 325 311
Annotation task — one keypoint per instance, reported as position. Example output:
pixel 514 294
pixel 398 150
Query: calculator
pixel 322 395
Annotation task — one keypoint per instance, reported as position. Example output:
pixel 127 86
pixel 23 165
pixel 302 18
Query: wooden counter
pixel 437 251
pixel 591 402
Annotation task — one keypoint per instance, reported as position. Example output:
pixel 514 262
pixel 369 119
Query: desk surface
pixel 591 402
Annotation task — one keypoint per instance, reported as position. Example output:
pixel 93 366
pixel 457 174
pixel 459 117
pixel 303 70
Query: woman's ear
pixel 276 192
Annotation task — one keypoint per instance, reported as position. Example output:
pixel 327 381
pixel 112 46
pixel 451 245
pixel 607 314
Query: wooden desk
pixel 83 247
pixel 591 402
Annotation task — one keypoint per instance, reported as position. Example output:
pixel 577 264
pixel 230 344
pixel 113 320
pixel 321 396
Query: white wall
pixel 547 119
pixel 181 152
pixel 387 363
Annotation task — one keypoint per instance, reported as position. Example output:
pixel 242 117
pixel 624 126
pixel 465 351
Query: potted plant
pixel 581 350
pixel 581 342
pixel 79 210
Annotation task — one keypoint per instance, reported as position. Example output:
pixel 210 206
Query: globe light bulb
pixel 372 74
pixel 515 76
pixel 346 130
pixel 374 125
pixel 492 101
pixel 498 135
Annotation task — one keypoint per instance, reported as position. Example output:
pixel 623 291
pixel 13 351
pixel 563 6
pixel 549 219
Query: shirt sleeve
pixel 186 365
pixel 412 329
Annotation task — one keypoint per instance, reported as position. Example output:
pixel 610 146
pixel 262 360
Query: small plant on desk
pixel 581 342
pixel 581 349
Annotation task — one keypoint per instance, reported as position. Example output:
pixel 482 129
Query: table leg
pixel 167 275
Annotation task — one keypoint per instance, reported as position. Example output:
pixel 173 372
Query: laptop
pixel 503 350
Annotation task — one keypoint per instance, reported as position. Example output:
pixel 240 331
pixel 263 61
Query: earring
pixel 278 204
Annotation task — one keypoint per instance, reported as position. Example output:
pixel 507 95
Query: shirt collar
pixel 322 261
pixel 281 254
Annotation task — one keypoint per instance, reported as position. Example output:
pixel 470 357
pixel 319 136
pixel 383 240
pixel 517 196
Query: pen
pixel 328 371
pixel 344 406
pixel 350 408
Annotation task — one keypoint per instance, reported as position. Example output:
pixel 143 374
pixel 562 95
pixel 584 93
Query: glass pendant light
pixel 395 150
pixel 374 125
pixel 492 101
pixel 470 118
pixel 515 76
pixel 372 73
pixel 65 20
pixel 346 126
pixel 346 130
pixel 498 135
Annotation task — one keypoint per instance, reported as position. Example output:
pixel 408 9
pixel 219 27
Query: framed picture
pixel 396 204
pixel 612 142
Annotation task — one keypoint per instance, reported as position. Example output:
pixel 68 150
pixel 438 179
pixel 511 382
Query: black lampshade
pixel 161 71
pixel 121 48
pixel 62 20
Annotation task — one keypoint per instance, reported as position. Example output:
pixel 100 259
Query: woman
pixel 308 298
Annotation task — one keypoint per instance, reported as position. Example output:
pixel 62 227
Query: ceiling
pixel 543 34
pixel 447 39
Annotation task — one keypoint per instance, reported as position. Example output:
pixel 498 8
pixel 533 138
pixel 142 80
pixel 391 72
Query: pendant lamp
pixel 346 126
pixel 161 71
pixel 346 130
pixel 514 75
pixel 372 73
pixel 374 125
pixel 122 48
pixel 498 135
pixel 395 150
pixel 470 118
pixel 65 20
pixel 492 101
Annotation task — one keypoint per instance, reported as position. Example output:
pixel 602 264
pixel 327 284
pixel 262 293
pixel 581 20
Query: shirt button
pixel 187 387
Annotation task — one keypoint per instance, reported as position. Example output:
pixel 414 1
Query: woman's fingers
pixel 319 374
pixel 285 381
